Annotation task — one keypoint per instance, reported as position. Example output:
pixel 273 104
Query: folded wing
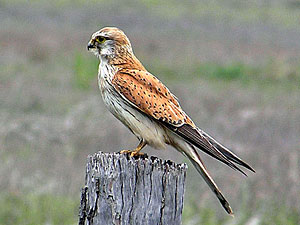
pixel 145 92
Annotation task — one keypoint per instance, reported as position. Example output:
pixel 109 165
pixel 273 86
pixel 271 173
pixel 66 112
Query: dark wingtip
pixel 252 170
pixel 241 171
pixel 248 167
pixel 230 156
pixel 235 159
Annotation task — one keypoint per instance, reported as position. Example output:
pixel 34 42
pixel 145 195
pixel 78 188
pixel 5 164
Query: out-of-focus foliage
pixel 36 209
pixel 234 65
pixel 85 69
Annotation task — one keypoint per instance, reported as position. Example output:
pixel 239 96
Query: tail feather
pixel 190 137
pixel 227 153
pixel 193 155
pixel 203 141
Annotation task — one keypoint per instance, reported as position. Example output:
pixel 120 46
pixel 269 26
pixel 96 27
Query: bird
pixel 149 109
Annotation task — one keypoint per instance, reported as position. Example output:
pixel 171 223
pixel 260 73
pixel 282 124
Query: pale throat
pixel 106 71
pixel 109 61
pixel 107 52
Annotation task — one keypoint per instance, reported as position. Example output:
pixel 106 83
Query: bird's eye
pixel 100 39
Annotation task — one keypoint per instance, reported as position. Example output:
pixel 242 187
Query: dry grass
pixel 49 123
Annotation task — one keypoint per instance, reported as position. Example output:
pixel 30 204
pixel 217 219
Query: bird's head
pixel 109 42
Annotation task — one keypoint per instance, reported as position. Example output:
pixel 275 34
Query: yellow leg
pixel 136 151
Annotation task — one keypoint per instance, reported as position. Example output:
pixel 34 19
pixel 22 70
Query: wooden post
pixel 124 190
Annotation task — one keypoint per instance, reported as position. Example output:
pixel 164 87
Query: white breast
pixel 141 125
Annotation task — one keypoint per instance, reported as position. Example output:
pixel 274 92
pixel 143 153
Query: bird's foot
pixel 125 152
pixel 132 153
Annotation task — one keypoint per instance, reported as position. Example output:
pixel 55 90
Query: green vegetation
pixel 272 72
pixel 275 214
pixel 52 117
pixel 200 215
pixel 37 209
pixel 225 72
pixel 279 214
pixel 85 70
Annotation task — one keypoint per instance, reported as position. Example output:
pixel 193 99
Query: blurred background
pixel 234 66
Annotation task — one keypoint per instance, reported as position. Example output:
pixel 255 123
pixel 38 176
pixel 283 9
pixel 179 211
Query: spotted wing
pixel 149 95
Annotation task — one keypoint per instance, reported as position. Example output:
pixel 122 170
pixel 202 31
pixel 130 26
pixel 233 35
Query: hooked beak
pixel 90 45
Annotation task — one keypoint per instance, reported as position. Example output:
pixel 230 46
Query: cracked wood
pixel 122 190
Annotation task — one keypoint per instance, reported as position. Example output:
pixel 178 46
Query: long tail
pixel 209 145
pixel 193 155
pixel 226 152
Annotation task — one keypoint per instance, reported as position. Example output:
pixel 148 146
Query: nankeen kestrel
pixel 148 108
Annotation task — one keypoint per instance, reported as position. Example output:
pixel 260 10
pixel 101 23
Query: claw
pixel 136 153
pixel 125 152
pixel 132 153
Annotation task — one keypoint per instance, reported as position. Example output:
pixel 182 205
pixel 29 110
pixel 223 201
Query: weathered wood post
pixel 125 190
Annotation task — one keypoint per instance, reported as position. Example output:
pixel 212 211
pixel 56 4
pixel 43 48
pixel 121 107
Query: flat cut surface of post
pixel 124 190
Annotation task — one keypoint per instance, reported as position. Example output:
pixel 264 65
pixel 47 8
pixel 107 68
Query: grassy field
pixel 238 61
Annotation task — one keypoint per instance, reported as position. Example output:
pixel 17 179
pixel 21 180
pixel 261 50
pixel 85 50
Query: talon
pixel 125 152
pixel 136 153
